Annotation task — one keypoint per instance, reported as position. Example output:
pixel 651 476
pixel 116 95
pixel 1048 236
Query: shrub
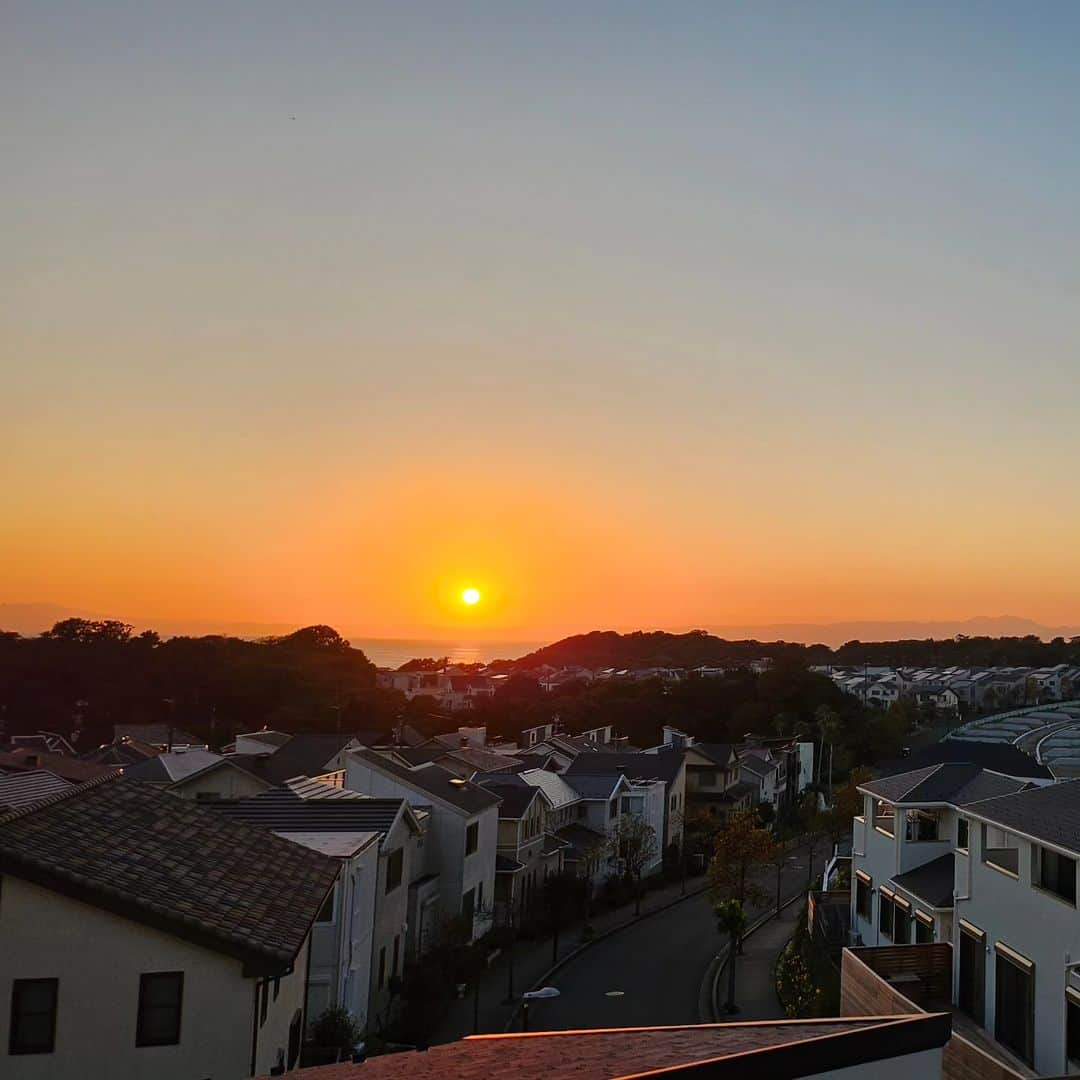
pixel 336 1028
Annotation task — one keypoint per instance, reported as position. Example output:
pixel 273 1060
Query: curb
pixel 721 959
pixel 574 953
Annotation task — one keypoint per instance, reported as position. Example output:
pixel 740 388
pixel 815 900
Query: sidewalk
pixel 533 958
pixel 755 988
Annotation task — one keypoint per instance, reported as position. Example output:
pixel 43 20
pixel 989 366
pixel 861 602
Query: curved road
pixel 650 973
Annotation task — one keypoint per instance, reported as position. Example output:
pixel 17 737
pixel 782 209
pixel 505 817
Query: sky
pixel 628 315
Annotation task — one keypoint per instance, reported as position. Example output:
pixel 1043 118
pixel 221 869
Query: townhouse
pixel 147 937
pixel 462 834
pixel 359 941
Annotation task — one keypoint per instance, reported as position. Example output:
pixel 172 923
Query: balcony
pixel 918 978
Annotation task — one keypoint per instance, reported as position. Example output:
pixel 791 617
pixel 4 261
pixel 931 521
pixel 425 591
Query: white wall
pixel 225 781
pixel 924 1065
pixel 98 958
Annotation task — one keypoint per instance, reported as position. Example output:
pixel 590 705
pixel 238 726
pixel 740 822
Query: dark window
pixel 264 1002
pixel 33 1016
pixel 326 912
pixel 161 995
pixel 397 950
pixel 394 863
pixel 864 898
pixel 613 808
pixel 972 990
pixel 885 914
pixel 296 1031
pixel 1072 1028
pixel 468 906
pixel 1014 1015
pixel 1056 873
pixel 472 838
pixel 999 849
pixel 884 817
pixel 924 931
pixel 277 986
pixel 922 826
pixel 962 833
pixel 901 924
pixel 382 967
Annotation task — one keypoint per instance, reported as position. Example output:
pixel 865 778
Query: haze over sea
pixel 393 652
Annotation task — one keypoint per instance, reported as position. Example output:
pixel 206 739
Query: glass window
pixel 922 826
pixel 326 912
pixel 1014 1015
pixel 1072 1026
pixel 864 897
pixel 33 1016
pixel 884 817
pixel 472 838
pixel 394 863
pixel 161 995
pixel 1056 873
pixel 885 914
pixel 924 931
pixel 901 924
pixel 962 833
pixel 1000 849
pixel 972 988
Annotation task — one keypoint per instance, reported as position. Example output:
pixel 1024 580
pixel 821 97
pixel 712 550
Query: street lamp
pixel 542 994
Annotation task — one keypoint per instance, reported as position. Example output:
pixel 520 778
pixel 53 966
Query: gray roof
pixel 664 765
pixel 998 757
pixel 23 788
pixel 932 882
pixel 466 795
pixel 157 734
pixel 951 782
pixel 283 810
pixel 717 752
pixel 1050 814
pixel 173 864
pixel 303 755
pixel 517 795
pixel 591 786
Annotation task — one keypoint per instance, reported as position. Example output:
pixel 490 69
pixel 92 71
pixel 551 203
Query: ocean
pixel 393 652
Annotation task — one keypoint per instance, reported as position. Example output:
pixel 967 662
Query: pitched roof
pixel 22 788
pixel 717 752
pixel 157 734
pixel 282 810
pixel 554 786
pixel 932 882
pixel 517 795
pixel 998 757
pixel 65 767
pixel 172 864
pixel 168 768
pixel 724 1051
pixel 662 766
pixel 595 785
pixel 120 752
pixel 306 754
pixel 467 796
pixel 952 782
pixel 1048 814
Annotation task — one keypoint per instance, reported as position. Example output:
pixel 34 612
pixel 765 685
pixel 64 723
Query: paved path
pixel 755 988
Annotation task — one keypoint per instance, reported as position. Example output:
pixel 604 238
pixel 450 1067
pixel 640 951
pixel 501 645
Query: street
pixel 651 973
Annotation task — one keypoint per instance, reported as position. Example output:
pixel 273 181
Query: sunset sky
pixel 628 315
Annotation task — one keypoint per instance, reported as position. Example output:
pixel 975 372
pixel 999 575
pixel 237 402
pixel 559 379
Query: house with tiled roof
pixel 23 788
pixel 26 759
pixel 374 922
pixel 894 1047
pixel 145 935
pixel 463 825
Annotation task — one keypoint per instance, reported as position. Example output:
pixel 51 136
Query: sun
pixel 470 596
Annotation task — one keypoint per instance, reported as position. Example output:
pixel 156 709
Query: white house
pixel 462 834
pixel 130 944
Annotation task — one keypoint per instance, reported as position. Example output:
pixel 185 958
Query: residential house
pixel 144 936
pixel 462 838
pixel 713 782
pixel 161 736
pixel 902 851
pixel 585 839
pixel 760 768
pixel 23 788
pixel 359 941
pixel 25 759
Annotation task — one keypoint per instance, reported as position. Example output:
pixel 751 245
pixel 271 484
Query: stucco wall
pixel 98 958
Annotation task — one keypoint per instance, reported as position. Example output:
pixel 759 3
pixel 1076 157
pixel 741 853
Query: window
pixel 885 912
pixel 613 809
pixel 924 929
pixel 277 986
pixel 901 921
pixel 1014 1014
pixel 864 896
pixel 1072 1025
pixel 472 838
pixel 264 1001
pixel 394 863
pixel 480 895
pixel 884 817
pixel 397 951
pixel 382 967
pixel 972 989
pixel 33 1016
pixel 922 826
pixel 673 802
pixel 962 834
pixel 1055 873
pixel 326 912
pixel 1000 850
pixel 161 995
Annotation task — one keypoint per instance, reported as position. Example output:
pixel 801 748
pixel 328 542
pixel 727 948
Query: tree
pixel 561 898
pixel 335 1028
pixel 731 920
pixel 633 843
pixel 830 727
pixel 740 847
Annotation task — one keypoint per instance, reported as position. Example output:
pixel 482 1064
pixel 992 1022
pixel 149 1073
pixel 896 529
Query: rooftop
pixel 661 766
pixel 466 795
pixel 953 782
pixel 283 810
pixel 1001 758
pixel 1047 814
pixel 148 856
pixel 932 882
pixel 763 1048
pixel 67 768
pixel 22 788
